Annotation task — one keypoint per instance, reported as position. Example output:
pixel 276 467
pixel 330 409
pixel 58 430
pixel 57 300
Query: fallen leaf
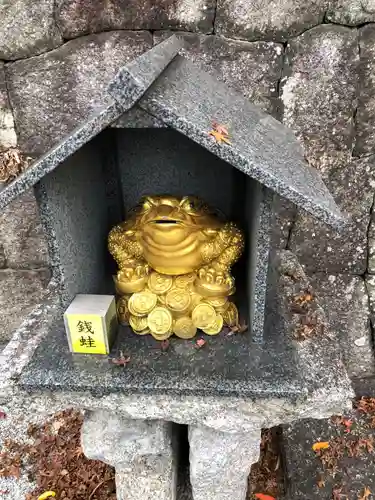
pixel 47 494
pixel 262 496
pixel 200 343
pixel 348 424
pixel 121 360
pixel 222 129
pixel 219 137
pixel 321 483
pixel 3 415
pixel 336 493
pixel 320 445
pixel 239 328
pixel 366 494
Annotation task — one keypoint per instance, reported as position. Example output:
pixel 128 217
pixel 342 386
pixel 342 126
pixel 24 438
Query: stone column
pixel 142 452
pixel 220 462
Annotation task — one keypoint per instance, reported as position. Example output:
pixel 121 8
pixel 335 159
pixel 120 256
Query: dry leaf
pixel 219 137
pixel 222 129
pixel 262 496
pixel 240 328
pixel 348 424
pixel 12 164
pixel 200 343
pixel 320 445
pixel 121 360
pixel 321 483
pixel 366 494
pixel 47 494
pixel 220 133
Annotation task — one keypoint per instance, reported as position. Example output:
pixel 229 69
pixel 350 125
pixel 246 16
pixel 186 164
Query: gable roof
pixel 184 97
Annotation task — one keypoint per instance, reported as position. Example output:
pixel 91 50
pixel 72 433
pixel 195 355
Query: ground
pixel 311 459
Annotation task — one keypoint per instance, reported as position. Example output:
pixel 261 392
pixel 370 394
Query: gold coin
pixel 137 323
pixel 184 328
pixel 163 336
pixel 141 303
pixel 195 299
pixel 159 321
pixel 185 280
pixel 162 299
pixel 217 302
pixel 203 315
pixel 159 283
pixel 123 310
pixel 216 327
pixel 178 300
pixel 146 331
pixel 231 315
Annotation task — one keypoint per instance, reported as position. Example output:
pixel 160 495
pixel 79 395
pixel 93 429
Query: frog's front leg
pixel 219 255
pixel 127 252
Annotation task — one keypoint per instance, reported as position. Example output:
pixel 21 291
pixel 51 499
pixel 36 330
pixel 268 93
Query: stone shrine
pixel 154 136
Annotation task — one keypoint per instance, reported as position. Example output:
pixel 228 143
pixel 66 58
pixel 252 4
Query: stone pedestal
pixel 220 462
pixel 144 454
pixel 141 451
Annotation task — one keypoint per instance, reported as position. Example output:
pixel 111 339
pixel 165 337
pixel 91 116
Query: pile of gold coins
pixel 170 305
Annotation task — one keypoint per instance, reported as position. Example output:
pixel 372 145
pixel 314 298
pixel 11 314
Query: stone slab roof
pixel 186 98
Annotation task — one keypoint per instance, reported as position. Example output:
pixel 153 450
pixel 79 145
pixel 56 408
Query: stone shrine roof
pixel 182 96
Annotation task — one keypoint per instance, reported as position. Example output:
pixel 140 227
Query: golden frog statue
pixel 176 243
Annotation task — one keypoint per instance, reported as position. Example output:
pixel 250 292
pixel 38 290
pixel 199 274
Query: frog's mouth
pixel 167 222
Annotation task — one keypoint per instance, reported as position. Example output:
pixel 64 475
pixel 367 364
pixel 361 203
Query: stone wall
pixel 310 64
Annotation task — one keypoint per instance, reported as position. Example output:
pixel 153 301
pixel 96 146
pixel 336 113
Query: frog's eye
pixel 190 205
pixel 147 203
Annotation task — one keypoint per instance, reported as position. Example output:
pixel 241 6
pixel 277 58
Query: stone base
pixel 145 456
pixel 220 462
pixel 142 453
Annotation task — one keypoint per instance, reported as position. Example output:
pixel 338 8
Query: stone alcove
pixel 227 391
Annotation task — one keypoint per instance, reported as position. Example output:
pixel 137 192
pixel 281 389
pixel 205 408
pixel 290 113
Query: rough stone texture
pixel 220 463
pixel 20 291
pixel 66 85
pixel 371 245
pixel 285 213
pixel 260 146
pixel 366 92
pixel 304 470
pixel 370 285
pixel 141 452
pixel 8 136
pixel 252 68
pixel 2 257
pixel 132 80
pixel 320 248
pixel 319 94
pixel 345 300
pixel 27 28
pixel 267 20
pixel 21 234
pixel 351 12
pixel 79 17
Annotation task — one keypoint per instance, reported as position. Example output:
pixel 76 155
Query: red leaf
pixel 200 343
pixel 262 496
